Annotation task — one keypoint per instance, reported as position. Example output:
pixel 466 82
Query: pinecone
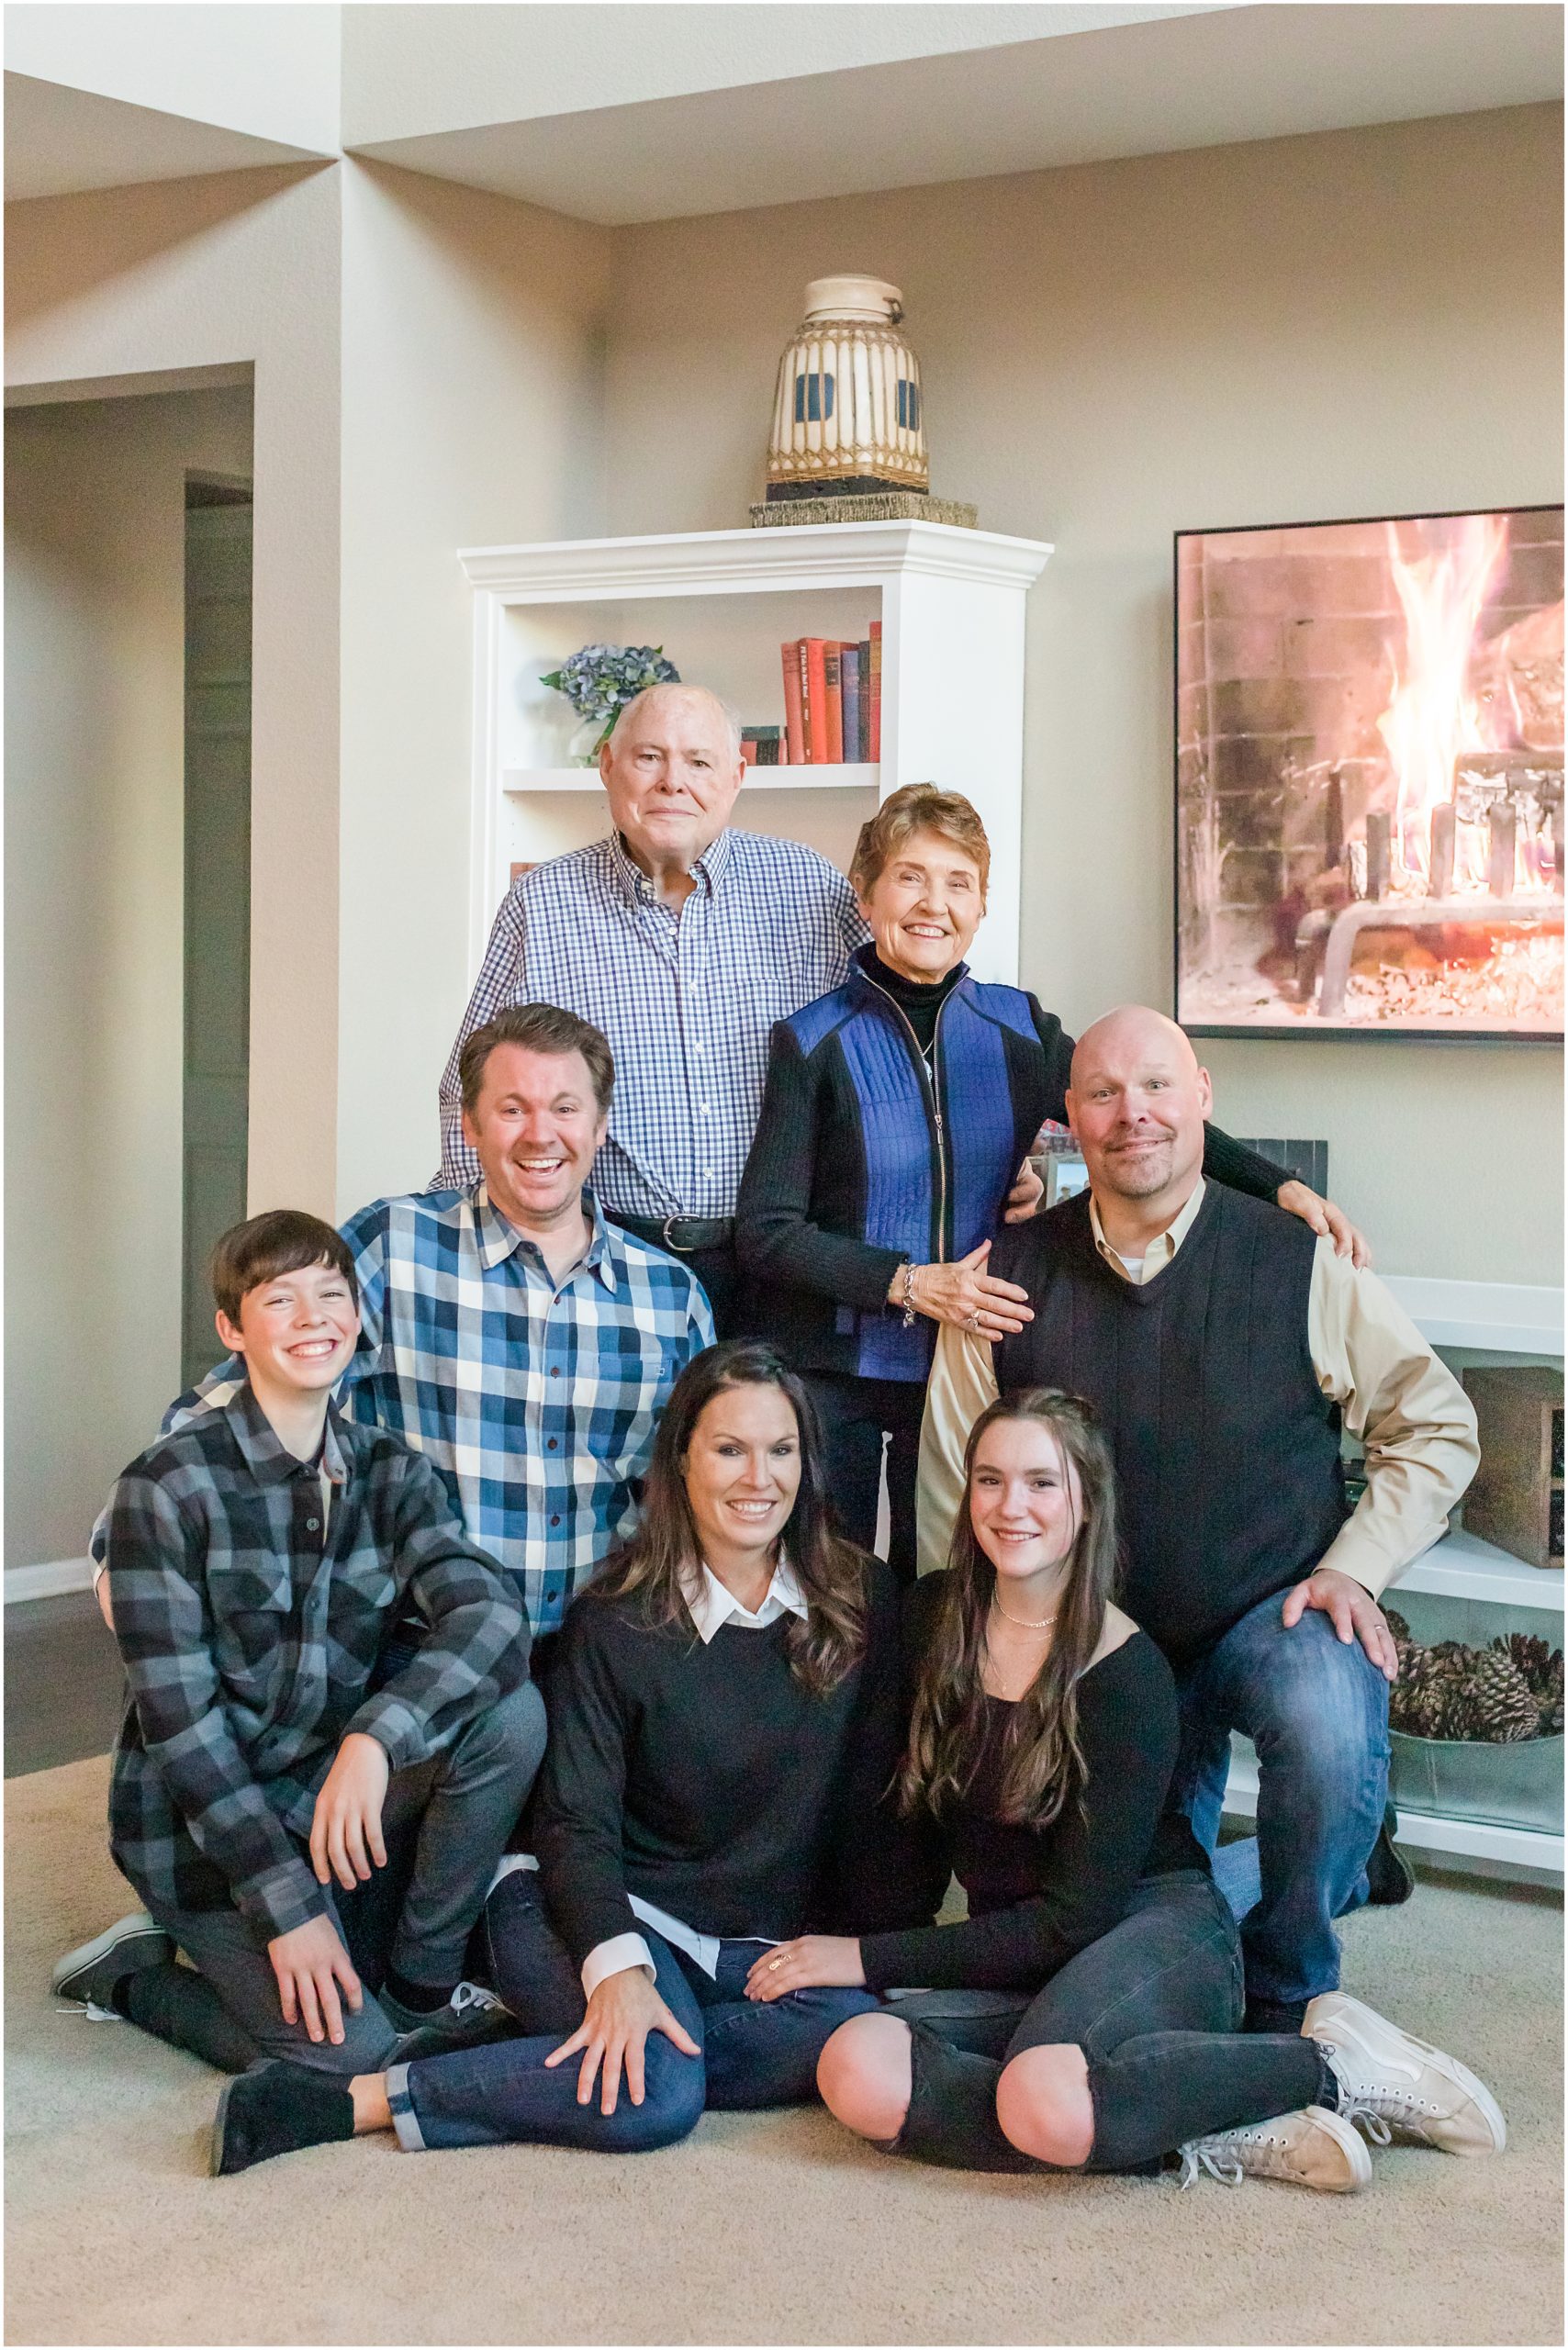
pixel 1499 1705
pixel 1541 1667
pixel 1532 1656
pixel 1397 1626
pixel 1451 1711
pixel 1417 1700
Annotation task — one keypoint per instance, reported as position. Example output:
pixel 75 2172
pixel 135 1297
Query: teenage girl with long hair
pixel 725 1721
pixel 1085 2017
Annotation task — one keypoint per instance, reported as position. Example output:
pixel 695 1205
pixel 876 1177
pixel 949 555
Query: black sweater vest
pixel 1228 1452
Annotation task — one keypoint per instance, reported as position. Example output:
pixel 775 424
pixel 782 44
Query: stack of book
pixel 833 700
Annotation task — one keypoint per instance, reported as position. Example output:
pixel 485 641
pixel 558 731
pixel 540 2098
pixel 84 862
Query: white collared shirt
pixel 712 1604
pixel 1160 1250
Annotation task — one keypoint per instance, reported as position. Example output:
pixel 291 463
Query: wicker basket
pixel 1508 1786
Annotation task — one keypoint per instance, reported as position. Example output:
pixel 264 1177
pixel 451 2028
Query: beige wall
pixel 238 269
pixel 471 417
pixel 1354 323
pixel 94 747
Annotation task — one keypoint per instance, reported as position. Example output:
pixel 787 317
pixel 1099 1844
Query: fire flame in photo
pixel 1434 714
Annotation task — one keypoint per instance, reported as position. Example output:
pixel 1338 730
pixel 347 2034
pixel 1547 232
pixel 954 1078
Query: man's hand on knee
pixel 346 1828
pixel 1353 1612
pixel 312 1967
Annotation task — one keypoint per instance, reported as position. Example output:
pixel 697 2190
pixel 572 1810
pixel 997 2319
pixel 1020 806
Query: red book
pixel 814 649
pixel 794 714
pixel 803 669
pixel 833 684
pixel 875 638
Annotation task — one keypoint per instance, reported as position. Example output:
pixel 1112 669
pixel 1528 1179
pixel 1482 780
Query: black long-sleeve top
pixel 708 1781
pixel 805 1208
pixel 1038 1896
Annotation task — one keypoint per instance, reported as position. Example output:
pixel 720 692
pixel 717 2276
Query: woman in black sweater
pixel 1086 2014
pixel 725 1721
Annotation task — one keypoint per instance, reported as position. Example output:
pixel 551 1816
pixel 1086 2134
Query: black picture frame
pixel 1316 1029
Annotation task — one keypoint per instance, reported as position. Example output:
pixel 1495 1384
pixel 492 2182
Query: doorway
pixel 217 893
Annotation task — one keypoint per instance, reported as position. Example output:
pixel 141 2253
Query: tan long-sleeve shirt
pixel 1410 1412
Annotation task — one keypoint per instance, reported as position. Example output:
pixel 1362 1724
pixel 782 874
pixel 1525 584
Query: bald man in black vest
pixel 1224 1346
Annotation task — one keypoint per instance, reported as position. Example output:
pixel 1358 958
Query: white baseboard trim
pixel 48 1581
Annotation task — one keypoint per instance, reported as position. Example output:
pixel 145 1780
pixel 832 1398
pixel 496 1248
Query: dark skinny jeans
pixel 1156 2006
pixel 754 2053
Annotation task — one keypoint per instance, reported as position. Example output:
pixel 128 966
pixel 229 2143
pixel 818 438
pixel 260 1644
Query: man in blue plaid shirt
pixel 509 1332
pixel 683 940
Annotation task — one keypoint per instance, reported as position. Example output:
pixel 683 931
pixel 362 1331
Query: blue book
pixel 849 686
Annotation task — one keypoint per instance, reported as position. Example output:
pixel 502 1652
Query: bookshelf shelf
pixel 721 604
pixel 804 779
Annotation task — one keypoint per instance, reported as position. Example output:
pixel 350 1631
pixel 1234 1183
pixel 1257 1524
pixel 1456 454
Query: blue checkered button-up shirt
pixel 536 1402
pixel 686 999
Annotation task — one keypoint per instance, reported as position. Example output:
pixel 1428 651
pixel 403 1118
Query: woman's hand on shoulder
pixel 811 1962
pixel 622 2012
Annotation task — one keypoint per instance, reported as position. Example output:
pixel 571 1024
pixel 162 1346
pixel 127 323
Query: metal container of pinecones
pixel 1498 1695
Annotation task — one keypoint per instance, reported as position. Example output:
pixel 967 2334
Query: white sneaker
pixel 1398 2086
pixel 1311 2148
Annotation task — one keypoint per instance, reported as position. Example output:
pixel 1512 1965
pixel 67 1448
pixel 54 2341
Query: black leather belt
pixel 685 1234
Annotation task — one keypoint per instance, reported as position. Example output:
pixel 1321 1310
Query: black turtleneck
pixel 920 1000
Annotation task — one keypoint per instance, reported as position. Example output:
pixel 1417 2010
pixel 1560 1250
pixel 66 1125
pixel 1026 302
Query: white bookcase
pixel 721 603
pixel 1485 1591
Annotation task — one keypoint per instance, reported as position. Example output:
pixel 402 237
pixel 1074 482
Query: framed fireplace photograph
pixel 1369 778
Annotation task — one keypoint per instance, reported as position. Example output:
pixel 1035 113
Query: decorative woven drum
pixel 847 415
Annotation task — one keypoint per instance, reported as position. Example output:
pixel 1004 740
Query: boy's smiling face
pixel 297 1331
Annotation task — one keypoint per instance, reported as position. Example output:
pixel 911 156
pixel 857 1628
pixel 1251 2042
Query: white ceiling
pixel 1195 80
pixel 619 113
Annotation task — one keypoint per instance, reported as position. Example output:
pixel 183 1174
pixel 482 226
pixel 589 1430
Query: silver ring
pixel 974 1321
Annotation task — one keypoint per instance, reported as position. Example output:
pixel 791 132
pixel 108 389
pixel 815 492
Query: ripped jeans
pixel 1156 2006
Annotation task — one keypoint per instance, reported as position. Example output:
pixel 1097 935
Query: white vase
pixel 847 415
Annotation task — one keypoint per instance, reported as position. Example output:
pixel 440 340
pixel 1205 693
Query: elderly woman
pixel 896 1114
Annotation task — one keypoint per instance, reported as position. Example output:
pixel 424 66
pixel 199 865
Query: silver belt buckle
pixel 669 1241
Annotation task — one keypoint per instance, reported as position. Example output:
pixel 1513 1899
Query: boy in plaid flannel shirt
pixel 271 1801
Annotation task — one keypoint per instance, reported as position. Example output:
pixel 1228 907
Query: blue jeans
pixel 1316 1710
pixel 753 2054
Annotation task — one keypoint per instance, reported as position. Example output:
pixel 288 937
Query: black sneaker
pixel 88 1976
pixel 1390 1877
pixel 472 2018
pixel 277 2109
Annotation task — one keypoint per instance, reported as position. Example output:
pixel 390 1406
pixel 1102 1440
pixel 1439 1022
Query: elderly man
pixel 684 940
pixel 1223 1347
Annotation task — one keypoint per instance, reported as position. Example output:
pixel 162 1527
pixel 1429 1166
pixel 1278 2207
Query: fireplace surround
pixel 1370 778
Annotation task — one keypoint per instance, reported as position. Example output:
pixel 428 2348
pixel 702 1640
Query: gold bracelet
pixel 908 1299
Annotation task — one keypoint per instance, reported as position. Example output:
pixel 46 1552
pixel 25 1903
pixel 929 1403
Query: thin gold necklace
pixel 1025 1623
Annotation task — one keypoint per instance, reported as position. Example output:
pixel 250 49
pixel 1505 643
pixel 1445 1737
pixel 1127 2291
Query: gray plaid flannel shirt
pixel 687 1001
pixel 251 1621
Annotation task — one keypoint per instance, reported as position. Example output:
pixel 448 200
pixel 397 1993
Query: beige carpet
pixel 767 2228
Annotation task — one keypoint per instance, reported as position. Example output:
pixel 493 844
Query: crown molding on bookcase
pixel 694 562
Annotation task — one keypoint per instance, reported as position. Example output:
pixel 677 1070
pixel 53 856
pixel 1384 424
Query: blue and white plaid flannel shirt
pixel 537 1403
pixel 687 1001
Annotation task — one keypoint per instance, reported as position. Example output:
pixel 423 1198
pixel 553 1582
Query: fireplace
pixel 1370 778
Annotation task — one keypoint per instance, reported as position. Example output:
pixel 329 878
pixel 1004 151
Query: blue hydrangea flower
pixel 602 680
